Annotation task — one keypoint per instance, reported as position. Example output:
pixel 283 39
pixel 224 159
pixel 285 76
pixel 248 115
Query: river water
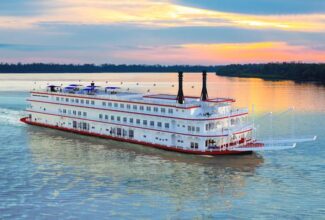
pixel 47 174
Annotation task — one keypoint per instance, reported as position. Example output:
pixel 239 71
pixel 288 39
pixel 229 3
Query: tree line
pixel 298 72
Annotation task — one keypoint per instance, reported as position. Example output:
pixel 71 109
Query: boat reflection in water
pixel 92 167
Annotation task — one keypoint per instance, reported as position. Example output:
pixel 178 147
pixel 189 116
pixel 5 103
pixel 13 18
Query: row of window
pixel 134 121
pixel 73 112
pixel 117 105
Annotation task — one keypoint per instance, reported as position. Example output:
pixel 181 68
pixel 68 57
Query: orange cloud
pixel 225 53
pixel 159 14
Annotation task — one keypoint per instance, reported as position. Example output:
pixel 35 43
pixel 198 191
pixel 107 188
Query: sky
pixel 208 32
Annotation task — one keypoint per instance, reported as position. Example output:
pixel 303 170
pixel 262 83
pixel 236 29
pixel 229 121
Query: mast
pixel 204 93
pixel 180 94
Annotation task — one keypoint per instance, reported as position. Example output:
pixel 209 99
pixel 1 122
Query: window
pixel 141 108
pixel 145 122
pixel 148 108
pixel 121 105
pixel 85 114
pixel 67 100
pixel 131 120
pixel 119 131
pixel 74 112
pixel 170 111
pixel 77 100
pixel 72 100
pixel 155 109
pixel 104 103
pixel 100 116
pixel 197 129
pixel 106 117
pixel 128 106
pixel 112 117
pixel 138 121
pixel 57 99
pixel 163 110
pixel 152 123
pixel 87 102
pixel 64 111
pixel 135 107
pixel 125 119
pixel 82 101
pixel 79 113
pixel 118 118
pixel 115 105
pixel 131 134
pixel 166 125
pixel 109 104
pixel 159 124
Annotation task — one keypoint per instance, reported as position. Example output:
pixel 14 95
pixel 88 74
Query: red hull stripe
pixel 113 100
pixel 137 113
pixel 25 120
pixel 131 126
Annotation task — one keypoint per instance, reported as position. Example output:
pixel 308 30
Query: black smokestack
pixel 180 95
pixel 204 94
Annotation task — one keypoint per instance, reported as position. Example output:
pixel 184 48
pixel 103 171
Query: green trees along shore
pixel 299 72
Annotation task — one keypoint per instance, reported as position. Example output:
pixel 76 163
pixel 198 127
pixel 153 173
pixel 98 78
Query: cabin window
pixel 104 103
pixel 64 111
pixel 85 114
pixel 79 113
pixel 159 124
pixel 125 119
pixel 166 125
pixel 72 100
pixel 74 124
pixel 148 108
pixel 135 107
pixel 87 102
pixel 67 100
pixel 93 102
pixel 145 122
pixel 163 110
pixel 170 111
pixel 138 121
pixel 77 100
pixel 155 109
pixel 82 101
pixel 121 105
pixel 152 123
pixel 106 117
pixel 128 106
pixel 194 145
pixel 101 116
pixel 119 131
pixel 112 117
pixel 118 118
pixel 57 99
pixel 197 129
pixel 131 120
pixel 115 105
pixel 109 104
pixel 124 133
pixel 131 134
pixel 74 112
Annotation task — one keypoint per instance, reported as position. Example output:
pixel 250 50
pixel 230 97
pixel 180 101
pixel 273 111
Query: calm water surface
pixel 47 174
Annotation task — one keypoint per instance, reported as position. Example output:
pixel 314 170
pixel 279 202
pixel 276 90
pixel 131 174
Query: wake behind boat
pixel 186 124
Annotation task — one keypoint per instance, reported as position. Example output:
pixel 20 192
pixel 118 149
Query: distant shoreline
pixel 298 72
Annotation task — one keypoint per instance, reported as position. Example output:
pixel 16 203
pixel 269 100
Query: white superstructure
pixel 186 124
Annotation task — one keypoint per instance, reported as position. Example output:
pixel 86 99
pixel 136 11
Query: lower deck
pixel 162 140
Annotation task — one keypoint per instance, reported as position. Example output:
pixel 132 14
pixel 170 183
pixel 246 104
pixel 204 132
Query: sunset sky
pixel 162 31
